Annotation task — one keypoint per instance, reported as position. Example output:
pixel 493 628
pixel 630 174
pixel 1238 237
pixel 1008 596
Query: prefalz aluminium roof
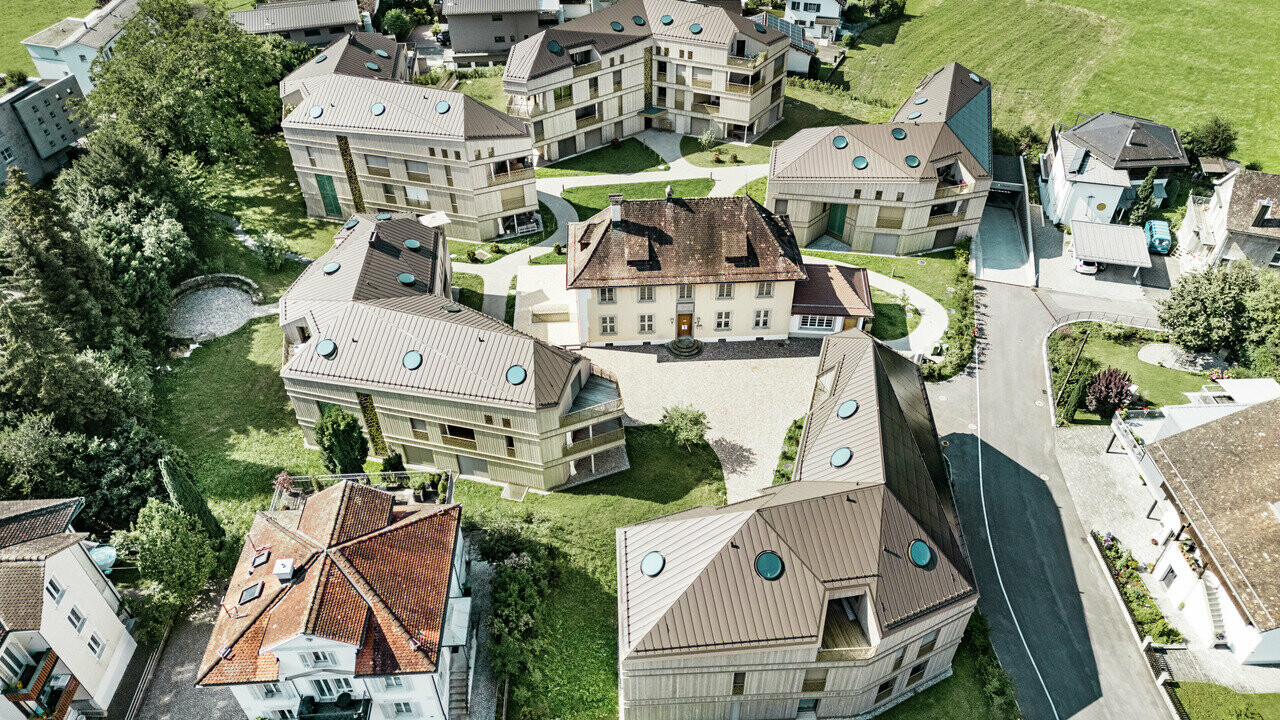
pixel 285 16
pixel 1110 244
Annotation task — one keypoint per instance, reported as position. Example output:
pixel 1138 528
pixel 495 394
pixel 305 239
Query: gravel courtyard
pixel 751 392
pixel 172 694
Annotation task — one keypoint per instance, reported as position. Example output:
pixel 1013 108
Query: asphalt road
pixel 1054 622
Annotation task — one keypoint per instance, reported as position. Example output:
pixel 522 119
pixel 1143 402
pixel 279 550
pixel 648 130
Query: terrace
pixel 844 638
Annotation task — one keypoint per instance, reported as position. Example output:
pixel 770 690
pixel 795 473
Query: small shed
pixel 1111 244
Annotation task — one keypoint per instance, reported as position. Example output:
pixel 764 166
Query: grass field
pixel 1204 701
pixel 551 258
pixel 631 156
pixel 891 321
pixel 24 18
pixel 487 90
pixel 754 189
pixel 1158 385
pixel 470 289
pixel 590 200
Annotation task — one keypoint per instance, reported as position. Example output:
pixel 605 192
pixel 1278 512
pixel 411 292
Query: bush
pixel 557 249
pixel 707 139
pixel 174 559
pixel 686 426
pixel 1109 390
pixel 394 463
pixel 733 158
pixel 1146 617
pixel 397 22
pixel 13 79
pixel 343 445
pixel 960 338
pixel 272 249
pixel 1212 138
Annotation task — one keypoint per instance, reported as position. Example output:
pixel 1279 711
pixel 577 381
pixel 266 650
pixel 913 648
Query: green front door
pixel 329 196
pixel 835 221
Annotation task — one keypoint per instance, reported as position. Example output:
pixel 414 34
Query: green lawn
pixel 932 274
pixel 754 189
pixel 24 18
pixel 551 258
pixel 631 156
pixel 470 289
pixel 510 316
pixel 590 200
pixel 891 321
pixel 959 697
pixel 487 90
pixel 1204 701
pixel 458 248
pixel 1159 385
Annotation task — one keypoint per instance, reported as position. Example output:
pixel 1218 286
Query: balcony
pixel 346 708
pixel 456 442
pixel 743 88
pixel 586 68
pixel 522 108
pixel 33 677
pixel 747 62
pixel 889 223
pixel 704 84
pixel 376 171
pixel 588 121
pixel 514 203
pixel 705 108
pixel 944 218
pixel 842 638
pixel 564 102
pixel 951 190
pixel 595 442
pixel 511 176
pixel 598 398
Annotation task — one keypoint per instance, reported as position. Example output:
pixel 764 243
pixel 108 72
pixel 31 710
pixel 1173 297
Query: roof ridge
pixel 403 522
pixel 366 591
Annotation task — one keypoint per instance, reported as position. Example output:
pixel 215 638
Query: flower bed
pixel 1142 609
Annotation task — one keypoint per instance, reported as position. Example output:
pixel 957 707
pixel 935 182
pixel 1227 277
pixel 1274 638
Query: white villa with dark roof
pixel 70 46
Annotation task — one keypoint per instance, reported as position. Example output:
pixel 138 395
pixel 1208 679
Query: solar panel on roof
pixel 913 161
pixel 321 58
pixel 251 593
pixel 860 162
pixel 841 457
pixel 974 77
pixel 899 134
pixel 652 563
pixel 315 111
pixel 412 360
pixel 921 100
pixel 350 223
pixel 516 374
pixel 847 409
pixel 617 26
pixel 382 216
pixel 261 558
pixel 913 116
pixel 372 66
pixel 920 553
pixel 554 47
pixel 759 28
pixel 378 109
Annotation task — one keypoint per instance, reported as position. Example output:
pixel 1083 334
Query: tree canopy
pixel 1205 311
pixel 343 445
pixel 1212 138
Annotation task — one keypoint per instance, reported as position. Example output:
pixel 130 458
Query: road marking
pixel 982 495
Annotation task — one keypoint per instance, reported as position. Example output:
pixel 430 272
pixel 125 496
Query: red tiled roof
pixel 379 580
pixel 833 290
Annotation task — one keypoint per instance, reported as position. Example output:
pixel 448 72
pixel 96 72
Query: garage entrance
pixel 1001 251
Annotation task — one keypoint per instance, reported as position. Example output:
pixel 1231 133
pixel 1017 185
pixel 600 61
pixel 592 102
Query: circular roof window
pixel 406 278
pixel 840 142
pixel 769 565
pixel 326 348
pixel 841 457
pixel 315 111
pixel 617 26
pixel 666 20
pixel 652 563
pixel 920 552
pixel 695 28
pixel 442 107
pixel 860 162
pixel 321 58
pixel 372 66
pixel 912 161
pixel 331 268
pixel 899 134
pixel 412 360
pixel 637 20
pixel 350 223
pixel 451 308
pixel 847 409
pixel 381 53
pixel 383 216
pixel 378 109
pixel 921 100
pixel 516 374
pixel 974 77
pixel 412 244
pixel 554 47
pixel 913 116
pixel 759 28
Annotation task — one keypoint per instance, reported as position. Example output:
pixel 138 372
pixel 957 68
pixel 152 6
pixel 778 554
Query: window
pixel 780 207
pixel 795 6
pixel 393 683
pixel 1168 578
pixel 885 690
pixel 318 658
pixel 76 618
pixel 96 645
pixel 506 422
pixel 284 714
pixel 917 673
pixel 331 687
pixel 857 194
pixel 739 683
pixel 335 30
pixel 270 691
pixel 1275 258
pixel 377 165
pixel 496 17
pixel 389 193
pixel 812 7
pixel 418 425
pixel 646 323
pixel 499 38
pixel 645 293
pixel 54 590
pixel 723 320
pixel 608 325
pixel 417 171
pixel 6 154
pixel 927 644
pixel 416 197
pixel 764 290
pixel 684 292
pixel 607 296
pixel 311 156
pixel 879 194
pixel 724 291
pixel 488 419
pixel 815 680
pixel 457 431
pixel 762 320
pixel 15 660
pixel 898 658
pixel 403 709
pixel 511 446
pixel 900 196
pixel 817 322
pixel 311 32
pixel 453 198
pixel 563 96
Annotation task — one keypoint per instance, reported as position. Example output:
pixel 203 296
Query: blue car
pixel 1158 238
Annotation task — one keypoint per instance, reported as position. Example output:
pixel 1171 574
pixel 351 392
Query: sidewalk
pixel 497 274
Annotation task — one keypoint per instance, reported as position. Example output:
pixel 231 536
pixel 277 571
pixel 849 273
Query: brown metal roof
pixel 347 56
pixel 833 290
pixel 811 154
pixel 683 240
pixel 945 91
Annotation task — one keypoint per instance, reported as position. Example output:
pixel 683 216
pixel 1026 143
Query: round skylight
pixel 451 308
pixel 652 564
pixel 331 268
pixel 321 58
pixel 913 116
pixel 326 349
pixel 442 107
pixel 841 457
pixel 350 223
pixel 974 77
pixel 913 161
pixel 372 66
pixel 695 28
pixel 759 28
pixel 412 360
pixel 769 565
pixel 637 20
pixel 412 244
pixel 381 53
pixel 378 109
pixel 554 47
pixel 899 134
pixel 617 26
pixel 860 162
pixel 406 278
pixel 847 409
pixel 516 374
pixel 840 142
pixel 921 100
pixel 383 216
pixel 666 19
pixel 920 552
pixel 315 111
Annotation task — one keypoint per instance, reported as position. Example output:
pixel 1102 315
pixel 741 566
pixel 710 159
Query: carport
pixel 1111 244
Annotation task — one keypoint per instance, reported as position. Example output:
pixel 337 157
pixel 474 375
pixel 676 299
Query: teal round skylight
pixel 759 28
pixel 860 162
pixel 617 26
pixel 847 409
pixel 372 66
pixel 840 142
pixel 921 100
pixel 315 111
pixel 442 107
pixel 913 116
pixel 974 77
pixel 381 53
pixel 769 565
pixel 841 457
pixel 652 564
pixel 554 47
pixel 516 374
pixel 913 161
pixel 350 223
pixel 331 268
pixel 899 134
pixel 406 278
pixel 378 109
pixel 321 58
pixel 637 20
pixel 326 348
pixel 666 20
pixel 920 552
pixel 383 216
pixel 412 360
pixel 412 244
pixel 695 28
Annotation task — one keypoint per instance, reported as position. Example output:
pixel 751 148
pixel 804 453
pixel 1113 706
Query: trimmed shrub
pixel 1109 390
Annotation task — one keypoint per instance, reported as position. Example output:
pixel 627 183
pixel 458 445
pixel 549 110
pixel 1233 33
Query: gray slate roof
pixel 1250 187
pixel 1125 141
pixel 483 7
pixel 95 30
pixel 285 16
pixel 1111 244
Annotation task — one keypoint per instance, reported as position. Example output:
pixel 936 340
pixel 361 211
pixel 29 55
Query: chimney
pixel 1264 211
pixel 283 570
pixel 669 193
pixel 615 207
pixel 1132 131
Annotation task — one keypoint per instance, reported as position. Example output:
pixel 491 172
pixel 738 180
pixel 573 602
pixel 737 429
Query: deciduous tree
pixel 686 425
pixel 1205 310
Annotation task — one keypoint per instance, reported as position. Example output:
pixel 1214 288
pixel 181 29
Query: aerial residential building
pixel 64 644
pixel 635 64
pixel 69 46
pixel 1092 171
pixel 37 130
pixel 370 328
pixel 482 32
pixel 351 607
pixel 310 22
pixel 365 138
pixel 1240 221
pixel 838 594
pixel 819 18
pixel 915 184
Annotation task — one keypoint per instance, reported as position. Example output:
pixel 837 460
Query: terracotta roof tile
pixel 833 290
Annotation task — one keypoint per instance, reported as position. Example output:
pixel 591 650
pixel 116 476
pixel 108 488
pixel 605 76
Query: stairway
pixel 1215 612
pixel 685 347
pixel 459 696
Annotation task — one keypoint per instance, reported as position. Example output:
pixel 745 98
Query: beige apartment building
pixel 915 184
pixel 669 64
pixel 849 587
pixel 364 138
pixel 370 328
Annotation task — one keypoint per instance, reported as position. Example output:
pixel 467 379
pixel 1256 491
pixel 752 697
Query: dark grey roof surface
pixel 348 56
pixel 1109 243
pixel 95 30
pixel 1007 169
pixel 284 16
pixel 1125 141
pixel 1250 187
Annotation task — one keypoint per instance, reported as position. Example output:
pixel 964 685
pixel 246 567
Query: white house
pixel 69 47
pixel 354 605
pixel 65 643
pixel 819 18
pixel 1092 171
pixel 1240 221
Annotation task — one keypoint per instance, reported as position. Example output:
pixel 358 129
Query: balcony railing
pixel 586 68
pixel 588 121
pixel 330 710
pixel 514 203
pixel 945 218
pixel 593 94
pixel 564 102
pixel 512 176
pixel 524 109
pixel 705 108
pixel 746 62
pixel 592 443
pixel 951 190
pixel 457 442
pixel 743 88
pixel 705 84
pixel 889 223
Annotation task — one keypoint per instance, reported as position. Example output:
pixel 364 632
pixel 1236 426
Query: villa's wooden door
pixel 684 325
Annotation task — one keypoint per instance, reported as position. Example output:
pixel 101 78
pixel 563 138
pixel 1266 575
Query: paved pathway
pixel 933 317
pixel 497 275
